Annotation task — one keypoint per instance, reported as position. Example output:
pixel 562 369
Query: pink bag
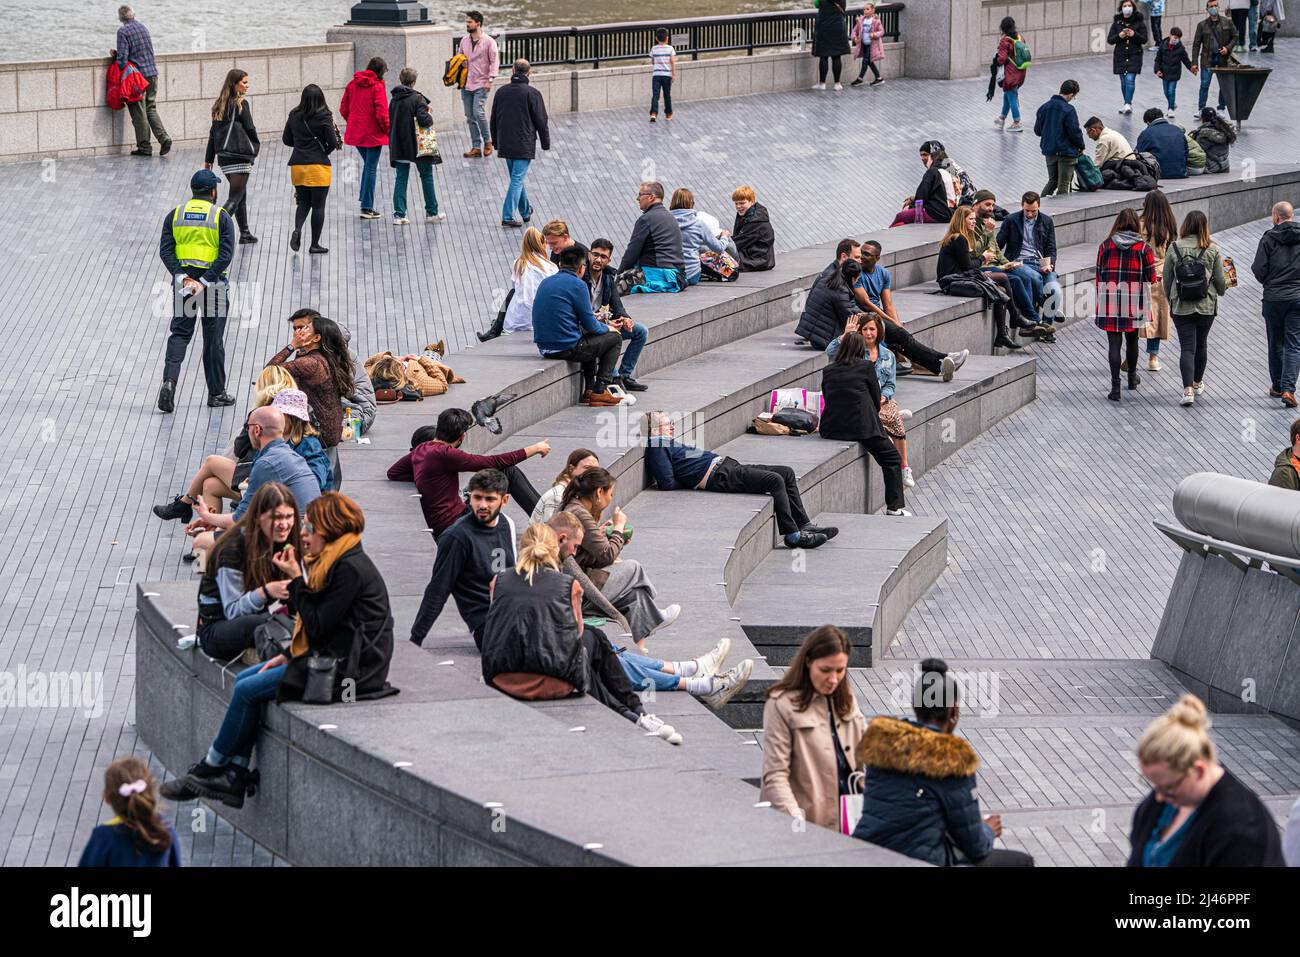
pixel 804 399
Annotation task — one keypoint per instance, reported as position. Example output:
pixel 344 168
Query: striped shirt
pixel 661 55
pixel 135 44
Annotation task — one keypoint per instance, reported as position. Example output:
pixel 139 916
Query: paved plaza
pixel 1056 580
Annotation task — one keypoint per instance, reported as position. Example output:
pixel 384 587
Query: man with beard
pixel 476 547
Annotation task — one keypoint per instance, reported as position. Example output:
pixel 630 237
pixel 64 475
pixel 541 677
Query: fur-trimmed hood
pixel 891 744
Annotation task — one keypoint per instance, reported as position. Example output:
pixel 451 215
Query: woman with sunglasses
pixel 1198 814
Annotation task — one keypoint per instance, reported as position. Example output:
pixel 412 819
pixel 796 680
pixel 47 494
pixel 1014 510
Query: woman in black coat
pixel 310 131
pixel 851 397
pixel 233 143
pixel 1128 35
pixel 407 106
pixel 830 303
pixel 1198 813
pixel 830 41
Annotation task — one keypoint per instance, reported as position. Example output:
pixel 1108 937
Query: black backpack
pixel 1190 276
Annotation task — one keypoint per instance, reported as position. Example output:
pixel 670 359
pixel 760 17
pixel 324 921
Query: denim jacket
pixel 886 366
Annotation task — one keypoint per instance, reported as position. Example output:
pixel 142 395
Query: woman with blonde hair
pixel 536 646
pixel 957 266
pixel 234 145
pixel 532 265
pixel 219 476
pixel 1198 813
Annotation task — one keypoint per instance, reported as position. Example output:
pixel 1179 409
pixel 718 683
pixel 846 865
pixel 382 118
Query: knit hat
pixel 292 402
pixel 983 194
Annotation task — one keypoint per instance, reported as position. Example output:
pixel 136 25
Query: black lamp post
pixel 388 13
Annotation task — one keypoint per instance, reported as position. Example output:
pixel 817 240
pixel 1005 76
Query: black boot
pixel 176 510
pixel 1002 340
pixel 178 789
pixel 1133 379
pixel 498 324
pixel 1113 395
pixel 167 396
pixel 227 784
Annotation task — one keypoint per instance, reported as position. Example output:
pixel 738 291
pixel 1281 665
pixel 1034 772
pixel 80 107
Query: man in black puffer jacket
pixel 919 797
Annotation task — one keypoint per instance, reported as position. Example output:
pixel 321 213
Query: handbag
pixel 851 803
pixel 273 637
pixel 338 137
pixel 243 147
pixel 426 141
pixel 322 678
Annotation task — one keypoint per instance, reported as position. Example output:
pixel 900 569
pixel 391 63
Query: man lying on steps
pixel 675 465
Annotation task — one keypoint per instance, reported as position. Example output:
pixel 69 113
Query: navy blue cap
pixel 204 180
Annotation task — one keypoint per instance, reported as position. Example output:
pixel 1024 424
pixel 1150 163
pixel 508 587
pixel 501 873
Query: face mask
pixel 1127 11
pixel 1214 12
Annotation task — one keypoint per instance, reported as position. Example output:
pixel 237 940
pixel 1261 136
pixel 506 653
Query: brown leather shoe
pixel 487 148
pixel 474 153
pixel 600 398
pixel 1288 400
pixel 1274 393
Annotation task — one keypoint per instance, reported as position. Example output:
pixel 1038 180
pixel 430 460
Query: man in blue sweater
pixel 675 465
pixel 1060 138
pixel 564 327
pixel 1167 142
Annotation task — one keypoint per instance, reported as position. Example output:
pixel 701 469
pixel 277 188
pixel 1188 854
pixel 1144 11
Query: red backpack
pixel 124 86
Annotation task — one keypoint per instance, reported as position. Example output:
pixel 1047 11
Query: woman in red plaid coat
pixel 1125 267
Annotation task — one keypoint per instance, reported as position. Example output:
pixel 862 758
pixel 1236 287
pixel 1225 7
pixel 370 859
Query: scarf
pixel 318 569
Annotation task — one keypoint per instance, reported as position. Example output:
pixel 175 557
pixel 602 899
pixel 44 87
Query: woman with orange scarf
pixel 343 617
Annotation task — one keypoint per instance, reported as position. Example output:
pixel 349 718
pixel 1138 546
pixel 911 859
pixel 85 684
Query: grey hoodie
pixel 696 237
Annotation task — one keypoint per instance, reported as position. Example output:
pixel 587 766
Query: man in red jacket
pixel 435 462
pixel 365 110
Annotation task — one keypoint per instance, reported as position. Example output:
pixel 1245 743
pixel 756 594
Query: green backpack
pixel 1020 54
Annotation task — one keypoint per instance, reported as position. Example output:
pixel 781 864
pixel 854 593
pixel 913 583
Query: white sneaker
pixel 838 87
pixel 1187 399
pixel 401 221
pixel 898 513
pixel 653 725
pixel 819 86
pixel 436 218
pixel 1126 109
pixel 1169 114
pixel 729 683
pixel 618 390
pixel 707 665
pixel 1014 128
pixel 999 120
pixel 907 478
pixel 1198 387
pixel 670 615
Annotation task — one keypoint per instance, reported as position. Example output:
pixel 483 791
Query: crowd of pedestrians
pixel 287 589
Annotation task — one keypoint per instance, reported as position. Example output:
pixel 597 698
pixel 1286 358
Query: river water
pixel 59 29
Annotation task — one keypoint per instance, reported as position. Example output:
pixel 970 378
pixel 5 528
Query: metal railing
pixel 617 42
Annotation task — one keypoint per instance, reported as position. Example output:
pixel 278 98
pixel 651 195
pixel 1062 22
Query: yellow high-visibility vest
pixel 196 228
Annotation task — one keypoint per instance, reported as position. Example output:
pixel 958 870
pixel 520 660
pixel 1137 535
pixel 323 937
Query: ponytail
pixel 585 486
pixel 130 790
pixel 539 548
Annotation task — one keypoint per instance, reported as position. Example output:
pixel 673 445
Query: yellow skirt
pixel 313 175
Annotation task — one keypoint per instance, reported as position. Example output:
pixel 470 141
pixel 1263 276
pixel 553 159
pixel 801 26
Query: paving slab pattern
pixel 85 320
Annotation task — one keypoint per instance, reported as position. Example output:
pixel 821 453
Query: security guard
pixel 198 243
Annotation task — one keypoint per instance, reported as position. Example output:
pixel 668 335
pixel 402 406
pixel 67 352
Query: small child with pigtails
pixel 137 836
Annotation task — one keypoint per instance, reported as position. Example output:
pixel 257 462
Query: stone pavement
pixel 84 302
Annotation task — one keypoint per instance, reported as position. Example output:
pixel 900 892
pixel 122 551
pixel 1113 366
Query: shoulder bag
pixel 241 150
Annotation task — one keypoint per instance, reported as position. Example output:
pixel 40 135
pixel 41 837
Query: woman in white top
pixel 578 462
pixel 532 266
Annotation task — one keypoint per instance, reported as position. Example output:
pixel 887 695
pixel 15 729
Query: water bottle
pixel 348 430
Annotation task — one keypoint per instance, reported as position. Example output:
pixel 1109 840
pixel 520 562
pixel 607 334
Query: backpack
pixel 1088 176
pixel 1191 278
pixel 1020 54
pixel 456 73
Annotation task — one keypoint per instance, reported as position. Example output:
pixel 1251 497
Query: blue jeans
pixel 1011 104
pixel 1022 290
pixel 239 727
pixel 474 103
pixel 1206 77
pixel 664 84
pixel 637 338
pixel 1045 285
pixel 1282 326
pixel 369 174
pixel 1171 93
pixel 400 180
pixel 1253 20
pixel 1127 82
pixel 516 206
pixel 646 673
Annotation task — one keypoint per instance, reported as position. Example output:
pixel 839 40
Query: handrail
pixel 613 42
pixel 1192 541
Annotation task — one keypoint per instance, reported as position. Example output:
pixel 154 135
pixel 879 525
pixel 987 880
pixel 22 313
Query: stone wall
pixel 1064 28
pixel 58 108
